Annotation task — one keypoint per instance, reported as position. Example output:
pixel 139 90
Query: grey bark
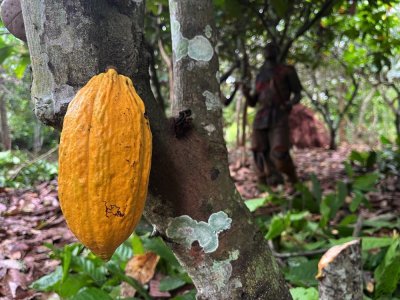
pixel 71 41
pixel 4 128
pixel 340 273
pixel 37 137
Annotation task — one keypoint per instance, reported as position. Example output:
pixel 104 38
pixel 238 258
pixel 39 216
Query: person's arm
pixel 251 99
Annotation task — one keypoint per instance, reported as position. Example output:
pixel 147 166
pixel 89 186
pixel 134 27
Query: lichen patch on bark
pixel 198 48
pixel 208 31
pixel 219 277
pixel 210 128
pixel 184 230
pixel 212 101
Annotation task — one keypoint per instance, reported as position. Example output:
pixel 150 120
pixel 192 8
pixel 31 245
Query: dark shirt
pixel 274 86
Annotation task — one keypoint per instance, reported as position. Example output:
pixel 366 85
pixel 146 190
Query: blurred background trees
pixel 345 51
pixel 347 56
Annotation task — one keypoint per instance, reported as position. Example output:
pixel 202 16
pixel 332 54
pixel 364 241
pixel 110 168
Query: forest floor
pixel 29 218
pixel 327 165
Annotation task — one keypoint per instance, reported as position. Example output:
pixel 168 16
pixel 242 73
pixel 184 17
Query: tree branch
pixel 154 77
pixel 254 9
pixel 306 26
pixel 229 72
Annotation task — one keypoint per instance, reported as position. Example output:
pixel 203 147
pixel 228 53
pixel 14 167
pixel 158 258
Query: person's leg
pixel 261 149
pixel 280 155
pixel 274 178
pixel 259 163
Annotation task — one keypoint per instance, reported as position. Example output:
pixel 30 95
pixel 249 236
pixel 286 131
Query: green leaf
pixel 368 243
pixel 326 209
pixel 124 252
pixel 356 201
pixel 349 219
pixel 301 271
pixel 307 199
pixel 72 285
pixel 387 274
pixel 21 67
pixel 316 188
pixel 277 226
pixel 301 293
pixel 341 195
pixel 66 261
pixel 157 246
pixel 191 295
pixel 349 170
pixel 85 265
pixel 383 221
pixel 91 293
pixel 385 140
pixel 47 283
pixel 137 245
pixel 5 52
pixel 117 272
pixel 358 156
pixel 170 283
pixel 294 217
pixel 254 204
pixel 365 182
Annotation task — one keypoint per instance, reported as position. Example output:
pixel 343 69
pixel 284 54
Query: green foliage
pixel 81 275
pixel 171 283
pixel 16 171
pixel 301 293
pixel 14 54
pixel 387 274
pixel 27 133
pixel 301 272
pixel 310 222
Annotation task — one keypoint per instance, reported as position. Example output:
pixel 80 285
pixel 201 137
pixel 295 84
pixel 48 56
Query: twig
pixel 294 254
pixel 16 171
pixel 358 226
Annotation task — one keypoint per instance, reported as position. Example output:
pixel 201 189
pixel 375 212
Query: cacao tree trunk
pixel 69 42
pixel 4 129
pixel 37 137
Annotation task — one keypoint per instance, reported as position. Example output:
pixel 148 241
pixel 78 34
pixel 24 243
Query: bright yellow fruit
pixel 104 162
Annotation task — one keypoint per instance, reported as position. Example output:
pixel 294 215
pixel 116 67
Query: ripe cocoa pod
pixel 104 162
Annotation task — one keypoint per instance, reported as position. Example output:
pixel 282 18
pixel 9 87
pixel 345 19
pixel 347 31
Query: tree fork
pixel 189 182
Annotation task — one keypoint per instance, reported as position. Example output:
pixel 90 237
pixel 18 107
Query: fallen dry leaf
pixel 140 267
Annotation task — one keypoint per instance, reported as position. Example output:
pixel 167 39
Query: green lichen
pixel 208 31
pixel 184 230
pixel 179 43
pixel 200 48
pixel 221 271
pixel 212 101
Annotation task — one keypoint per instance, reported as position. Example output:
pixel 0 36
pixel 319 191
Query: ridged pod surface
pixel 104 162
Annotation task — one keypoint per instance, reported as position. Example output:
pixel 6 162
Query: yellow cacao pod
pixel 104 162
